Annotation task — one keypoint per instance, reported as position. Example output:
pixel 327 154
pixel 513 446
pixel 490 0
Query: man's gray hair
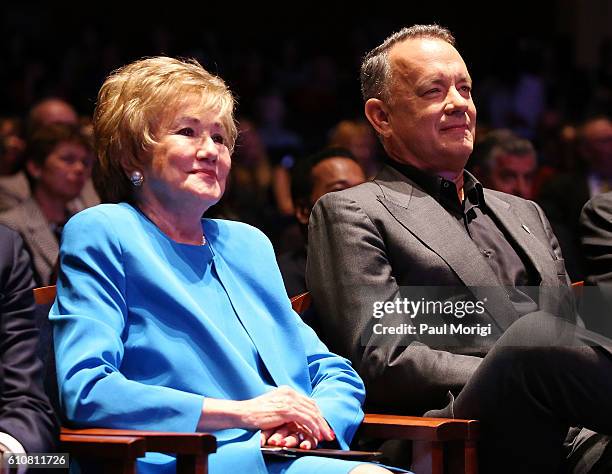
pixel 376 68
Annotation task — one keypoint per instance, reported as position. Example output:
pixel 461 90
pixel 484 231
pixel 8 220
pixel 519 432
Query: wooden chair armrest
pixel 158 441
pixel 418 428
pixel 301 302
pixel 113 447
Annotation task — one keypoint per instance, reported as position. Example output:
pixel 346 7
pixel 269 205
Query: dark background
pixel 308 52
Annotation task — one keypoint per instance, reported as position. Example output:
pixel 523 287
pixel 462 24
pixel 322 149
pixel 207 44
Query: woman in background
pixel 59 159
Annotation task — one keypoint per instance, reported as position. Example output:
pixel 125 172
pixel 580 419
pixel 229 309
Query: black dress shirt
pixel 513 269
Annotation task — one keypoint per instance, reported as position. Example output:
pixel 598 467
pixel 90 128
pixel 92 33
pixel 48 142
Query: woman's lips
pixel 210 173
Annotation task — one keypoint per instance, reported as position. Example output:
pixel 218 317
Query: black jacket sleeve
pixel 25 412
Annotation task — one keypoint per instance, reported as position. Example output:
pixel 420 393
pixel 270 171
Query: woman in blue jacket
pixel 166 321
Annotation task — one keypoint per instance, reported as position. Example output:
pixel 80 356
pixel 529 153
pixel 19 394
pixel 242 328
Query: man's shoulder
pixel 367 190
pixel 525 211
pixel 13 259
pixel 510 199
pixel 363 198
pixel 8 239
pixel 388 181
pixel 601 204
pixel 7 234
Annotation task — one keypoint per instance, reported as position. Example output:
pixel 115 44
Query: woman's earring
pixel 136 178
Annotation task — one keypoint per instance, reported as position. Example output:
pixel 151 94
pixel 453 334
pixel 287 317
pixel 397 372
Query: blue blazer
pixel 139 342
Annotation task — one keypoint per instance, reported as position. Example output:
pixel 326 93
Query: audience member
pixel 15 188
pixel 49 111
pixel 426 231
pixel 11 146
pixel 248 196
pixel 272 128
pixel 282 146
pixel 596 235
pixel 505 162
pixel 332 169
pixel 357 137
pixel 596 239
pixel 563 196
pixel 59 162
pixel 27 421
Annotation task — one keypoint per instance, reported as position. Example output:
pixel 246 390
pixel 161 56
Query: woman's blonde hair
pixel 133 101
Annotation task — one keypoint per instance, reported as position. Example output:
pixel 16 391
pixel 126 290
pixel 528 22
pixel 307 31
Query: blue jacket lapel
pixel 257 322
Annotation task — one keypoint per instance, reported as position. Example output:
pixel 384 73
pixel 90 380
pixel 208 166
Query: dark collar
pixel 441 189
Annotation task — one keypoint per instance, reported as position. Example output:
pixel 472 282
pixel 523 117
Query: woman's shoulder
pixel 234 233
pixel 103 214
pixel 222 226
pixel 105 227
pixel 103 221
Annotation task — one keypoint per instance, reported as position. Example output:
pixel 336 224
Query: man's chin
pixel 457 156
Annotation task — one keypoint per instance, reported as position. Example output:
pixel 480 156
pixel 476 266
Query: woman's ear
pixel 377 114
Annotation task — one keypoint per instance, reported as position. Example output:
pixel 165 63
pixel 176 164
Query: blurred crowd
pixel 545 130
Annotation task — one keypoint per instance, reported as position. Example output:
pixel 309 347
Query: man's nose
pixel 456 102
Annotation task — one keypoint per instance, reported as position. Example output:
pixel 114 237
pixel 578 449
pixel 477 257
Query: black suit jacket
pixel 369 241
pixel 25 412
pixel 596 236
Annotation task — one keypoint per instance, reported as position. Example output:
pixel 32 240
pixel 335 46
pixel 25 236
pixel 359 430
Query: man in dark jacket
pixel 27 421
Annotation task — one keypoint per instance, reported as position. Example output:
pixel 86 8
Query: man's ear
pixel 33 169
pixel 302 212
pixel 376 113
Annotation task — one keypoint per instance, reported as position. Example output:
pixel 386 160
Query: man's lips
pixel 459 126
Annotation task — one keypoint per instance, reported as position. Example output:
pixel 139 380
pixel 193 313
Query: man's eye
pixel 187 131
pixel 433 91
pixel 467 89
pixel 217 138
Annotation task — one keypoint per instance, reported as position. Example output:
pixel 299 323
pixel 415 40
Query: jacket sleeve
pixel 25 412
pixel 327 378
pixel 348 270
pixel 596 236
pixel 89 318
pixel 336 388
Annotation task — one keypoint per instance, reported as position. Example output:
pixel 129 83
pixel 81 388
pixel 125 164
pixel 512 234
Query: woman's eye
pixel 68 159
pixel 218 139
pixel 187 131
